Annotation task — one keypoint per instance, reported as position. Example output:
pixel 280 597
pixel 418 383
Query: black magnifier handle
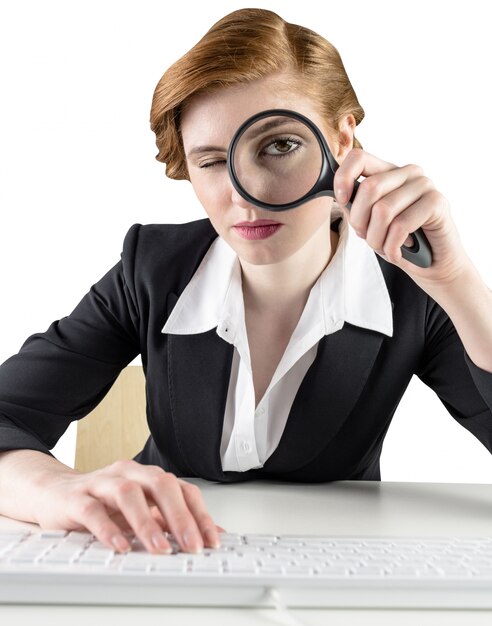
pixel 419 253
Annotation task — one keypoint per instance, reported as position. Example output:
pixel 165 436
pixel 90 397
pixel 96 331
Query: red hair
pixel 243 46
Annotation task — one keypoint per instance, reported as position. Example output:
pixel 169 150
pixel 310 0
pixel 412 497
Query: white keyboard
pixel 303 571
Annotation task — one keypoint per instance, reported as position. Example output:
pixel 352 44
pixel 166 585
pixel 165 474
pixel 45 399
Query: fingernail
pixel 211 537
pixel 120 543
pixel 161 544
pixel 342 197
pixel 192 541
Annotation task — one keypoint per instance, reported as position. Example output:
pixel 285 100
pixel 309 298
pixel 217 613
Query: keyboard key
pixel 95 558
pixel 206 565
pixel 11 535
pixel 171 565
pixel 368 571
pixel 288 543
pixel 299 570
pixel 45 534
pixel 129 566
pixel 242 566
pixel 336 572
pixel 273 568
pixel 57 558
pixel 77 537
pixel 261 538
pixel 407 572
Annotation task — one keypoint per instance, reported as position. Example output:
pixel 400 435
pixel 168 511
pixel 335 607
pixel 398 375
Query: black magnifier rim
pixel 328 161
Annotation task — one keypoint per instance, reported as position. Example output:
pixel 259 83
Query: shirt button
pixel 260 411
pixel 245 446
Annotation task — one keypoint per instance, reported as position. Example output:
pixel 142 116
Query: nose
pixel 238 200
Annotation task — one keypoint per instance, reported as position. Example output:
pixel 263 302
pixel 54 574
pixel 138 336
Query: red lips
pixel 259 229
pixel 257 223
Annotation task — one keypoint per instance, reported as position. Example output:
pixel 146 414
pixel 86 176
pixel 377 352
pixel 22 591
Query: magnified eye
pixel 281 147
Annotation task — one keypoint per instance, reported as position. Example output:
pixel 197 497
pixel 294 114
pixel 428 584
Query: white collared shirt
pixel 350 289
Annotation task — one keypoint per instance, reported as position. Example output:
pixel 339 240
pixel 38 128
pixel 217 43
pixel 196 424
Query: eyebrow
pixel 202 149
pixel 280 121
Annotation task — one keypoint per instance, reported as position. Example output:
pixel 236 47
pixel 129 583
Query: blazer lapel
pixel 199 367
pixel 327 395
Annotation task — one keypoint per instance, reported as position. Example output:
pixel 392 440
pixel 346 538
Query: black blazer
pixel 339 417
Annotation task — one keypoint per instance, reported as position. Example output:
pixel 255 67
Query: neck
pixel 281 287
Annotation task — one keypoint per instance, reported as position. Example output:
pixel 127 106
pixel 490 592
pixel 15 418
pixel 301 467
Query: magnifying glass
pixel 279 159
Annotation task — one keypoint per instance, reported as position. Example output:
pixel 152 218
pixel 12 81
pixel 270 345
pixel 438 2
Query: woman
pixel 276 350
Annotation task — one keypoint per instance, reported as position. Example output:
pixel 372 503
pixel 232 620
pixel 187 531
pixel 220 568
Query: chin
pixel 263 257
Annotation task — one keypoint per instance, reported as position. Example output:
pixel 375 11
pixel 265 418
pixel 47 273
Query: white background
pixel 77 155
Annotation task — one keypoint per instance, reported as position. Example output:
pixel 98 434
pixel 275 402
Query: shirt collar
pixel 350 289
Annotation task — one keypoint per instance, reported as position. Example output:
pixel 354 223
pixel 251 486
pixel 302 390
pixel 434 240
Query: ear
pixel 344 140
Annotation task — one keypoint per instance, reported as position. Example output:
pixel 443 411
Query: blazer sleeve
pixel 464 388
pixel 60 375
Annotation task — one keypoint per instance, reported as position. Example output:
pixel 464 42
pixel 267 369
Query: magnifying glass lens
pixel 277 160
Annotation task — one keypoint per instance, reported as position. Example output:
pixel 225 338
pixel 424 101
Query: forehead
pixel 213 118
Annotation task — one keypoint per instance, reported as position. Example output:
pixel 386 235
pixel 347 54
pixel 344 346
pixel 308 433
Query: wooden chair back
pixel 117 427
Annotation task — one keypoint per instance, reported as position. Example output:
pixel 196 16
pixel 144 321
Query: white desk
pixel 344 508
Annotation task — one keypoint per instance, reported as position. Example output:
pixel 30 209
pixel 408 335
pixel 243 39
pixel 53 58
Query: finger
pixel 196 504
pixel 373 190
pixel 357 163
pixel 166 492
pixel 157 515
pixel 407 222
pixel 92 514
pixel 385 210
pixel 127 495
